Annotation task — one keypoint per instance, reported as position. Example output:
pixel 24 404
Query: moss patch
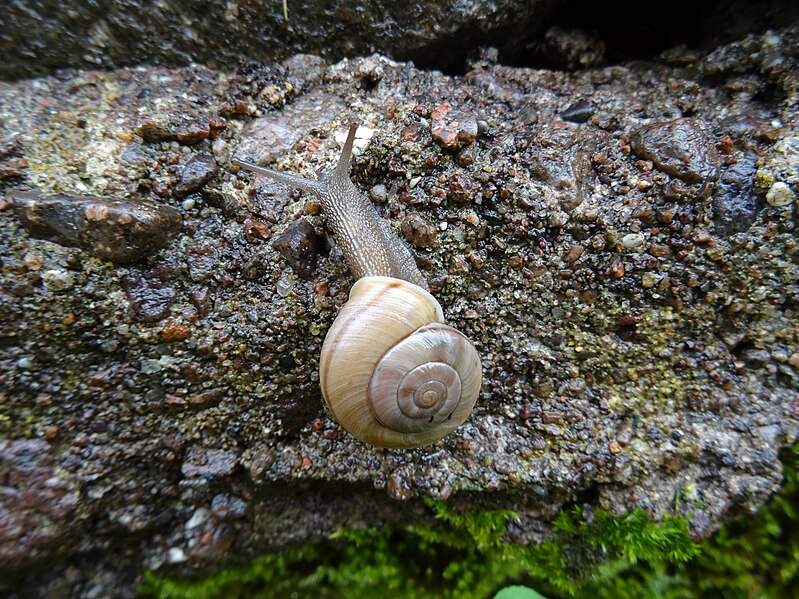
pixel 756 556
pixel 461 555
pixel 592 555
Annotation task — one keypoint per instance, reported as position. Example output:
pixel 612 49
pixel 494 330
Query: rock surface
pixel 38 38
pixel 637 340
pixel 109 228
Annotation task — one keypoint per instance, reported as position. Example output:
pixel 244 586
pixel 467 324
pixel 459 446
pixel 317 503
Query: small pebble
pixel 452 128
pixel 419 232
pixel 648 280
pixel 378 193
pixel 780 195
pixel 176 555
pixel 633 240
pixel 25 363
pixel 198 518
pixel 150 366
pixel 221 151
pixel 58 280
pixel 679 147
pixel 197 172
pixel 579 112
pixel 284 286
pixel 299 246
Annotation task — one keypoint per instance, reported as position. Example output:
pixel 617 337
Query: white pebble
pixel 57 279
pixel 633 240
pixel 25 363
pixel 199 517
pixel 363 136
pixel 149 366
pixel 284 286
pixel 176 555
pixel 780 195
pixel 221 150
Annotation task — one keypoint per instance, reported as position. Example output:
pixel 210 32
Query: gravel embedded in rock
pixel 299 245
pixel 197 172
pixel 780 194
pixel 578 112
pixel 419 232
pixel 656 356
pixel 150 296
pixel 111 229
pixel 679 148
pixel 452 128
pixel 201 462
pixel 268 138
pixel 735 205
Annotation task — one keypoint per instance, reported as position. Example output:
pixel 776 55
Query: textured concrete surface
pixel 619 242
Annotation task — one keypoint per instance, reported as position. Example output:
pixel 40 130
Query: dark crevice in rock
pixel 581 33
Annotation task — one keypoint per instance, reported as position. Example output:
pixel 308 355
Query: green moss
pixel 756 556
pixel 463 554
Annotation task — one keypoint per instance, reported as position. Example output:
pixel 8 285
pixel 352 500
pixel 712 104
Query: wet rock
pixel 452 128
pixel 206 399
pixel 203 262
pixel 299 245
pixel 269 199
pixel 202 462
pixel 57 279
pixel 149 296
pixel 461 188
pixel 573 254
pixel 200 297
pixel 228 507
pixel 419 232
pixel 197 172
pixel 502 280
pixel 735 205
pixel 193 132
pixel 579 112
pixel 255 231
pixel 297 410
pixel 112 229
pixel 571 48
pixel 270 137
pixel 11 160
pixel 36 503
pixel 307 68
pixel 679 148
pixel 559 155
pixel 174 331
pixel 155 129
pixel 750 126
pixel 262 461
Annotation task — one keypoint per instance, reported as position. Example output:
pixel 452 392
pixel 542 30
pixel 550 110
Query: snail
pixel 392 373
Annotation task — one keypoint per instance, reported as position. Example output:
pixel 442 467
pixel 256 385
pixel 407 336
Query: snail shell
pixel 392 373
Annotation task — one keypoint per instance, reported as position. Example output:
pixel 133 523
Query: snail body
pixel 392 373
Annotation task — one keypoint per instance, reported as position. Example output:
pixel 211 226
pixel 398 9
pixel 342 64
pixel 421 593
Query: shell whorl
pixel 393 374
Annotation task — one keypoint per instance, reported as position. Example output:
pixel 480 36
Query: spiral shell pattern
pixel 392 373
